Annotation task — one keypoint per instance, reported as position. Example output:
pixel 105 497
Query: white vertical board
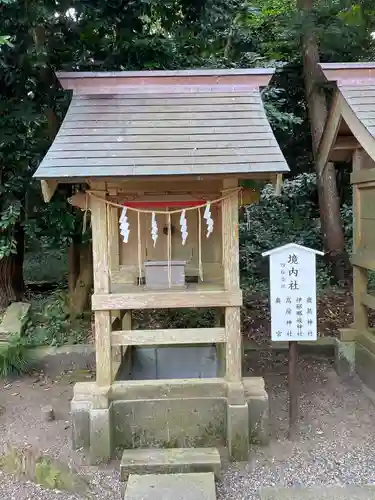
pixel 293 293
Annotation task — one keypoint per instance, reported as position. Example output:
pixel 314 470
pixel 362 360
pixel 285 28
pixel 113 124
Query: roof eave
pixel 120 82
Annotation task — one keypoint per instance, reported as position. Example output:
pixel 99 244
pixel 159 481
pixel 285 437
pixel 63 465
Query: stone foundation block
pixel 238 431
pixel 170 461
pixel 258 404
pixel 344 357
pixel 80 418
pixel 365 365
pixel 100 436
pixel 189 486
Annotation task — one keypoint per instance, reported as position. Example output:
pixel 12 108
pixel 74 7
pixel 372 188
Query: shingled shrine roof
pixel 351 121
pixel 155 123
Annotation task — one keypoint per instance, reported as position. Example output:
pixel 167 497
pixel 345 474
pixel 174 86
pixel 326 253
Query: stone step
pixel 189 486
pixel 319 492
pixel 169 461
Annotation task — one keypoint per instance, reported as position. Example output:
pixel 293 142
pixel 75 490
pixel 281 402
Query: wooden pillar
pixel 233 352
pixel 113 238
pixel 360 275
pixel 101 285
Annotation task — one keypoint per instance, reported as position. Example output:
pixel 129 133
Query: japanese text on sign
pixel 293 294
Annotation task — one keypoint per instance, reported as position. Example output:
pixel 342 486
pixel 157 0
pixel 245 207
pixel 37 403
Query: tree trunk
pixel 329 201
pixel 80 297
pixel 12 286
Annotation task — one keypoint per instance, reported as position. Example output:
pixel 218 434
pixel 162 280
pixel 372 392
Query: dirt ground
pixel 337 434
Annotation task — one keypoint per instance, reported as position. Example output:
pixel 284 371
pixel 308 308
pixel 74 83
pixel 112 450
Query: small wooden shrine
pixel 159 156
pixel 349 136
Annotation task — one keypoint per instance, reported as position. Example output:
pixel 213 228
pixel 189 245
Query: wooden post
pixel 231 282
pixel 101 285
pixel 293 390
pixel 113 238
pixel 360 275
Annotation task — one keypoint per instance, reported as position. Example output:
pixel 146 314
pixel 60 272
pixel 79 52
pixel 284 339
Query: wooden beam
pixel 362 176
pixel 233 357
pixel 166 300
pixel 346 143
pixel 169 389
pixel 48 189
pixel 113 238
pixel 363 258
pixel 330 131
pixel 167 337
pixel 368 301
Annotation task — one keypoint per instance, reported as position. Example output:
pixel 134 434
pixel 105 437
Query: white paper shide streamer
pixel 124 225
pixel 154 228
pixel 209 219
pixel 183 227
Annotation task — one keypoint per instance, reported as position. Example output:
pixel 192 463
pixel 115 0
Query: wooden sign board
pixel 293 293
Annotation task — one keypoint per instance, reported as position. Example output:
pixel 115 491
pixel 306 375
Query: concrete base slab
pixel 199 486
pixel 319 492
pixel 169 461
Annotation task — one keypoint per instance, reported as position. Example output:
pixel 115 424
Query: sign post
pixel 293 309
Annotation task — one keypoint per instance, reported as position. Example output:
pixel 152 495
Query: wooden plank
pixel 362 176
pixel 48 189
pixel 367 236
pixel 156 117
pixel 153 125
pixel 360 275
pixel 205 101
pixel 121 109
pixel 233 344
pixel 367 197
pixel 213 130
pixel 175 153
pixel 168 337
pixel 85 172
pixel 166 300
pixel 248 137
pixel 169 389
pixel 346 143
pixel 154 161
pixel 137 147
pixel 363 258
pixel 368 301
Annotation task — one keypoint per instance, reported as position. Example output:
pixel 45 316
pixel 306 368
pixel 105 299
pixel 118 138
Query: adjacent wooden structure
pixel 163 136
pixel 349 135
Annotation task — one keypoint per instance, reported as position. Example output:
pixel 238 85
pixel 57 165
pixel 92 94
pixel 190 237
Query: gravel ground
pixel 336 446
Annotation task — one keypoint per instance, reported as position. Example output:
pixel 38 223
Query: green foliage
pixel 277 220
pixel 14 356
pixel 50 324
